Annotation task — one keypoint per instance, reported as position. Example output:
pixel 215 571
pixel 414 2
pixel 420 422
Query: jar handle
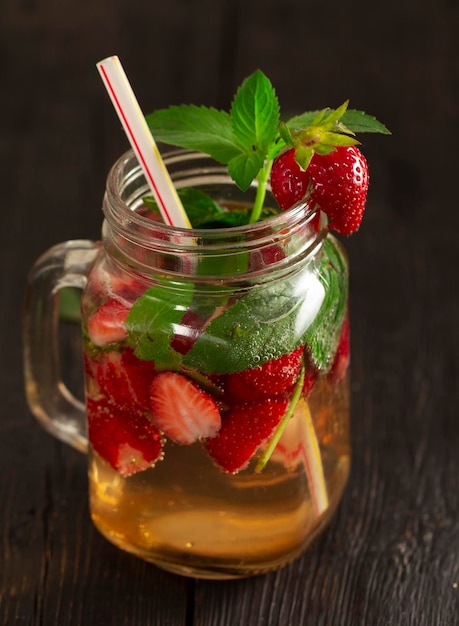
pixel 52 403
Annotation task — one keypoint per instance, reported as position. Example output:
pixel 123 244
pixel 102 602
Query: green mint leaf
pixel 353 120
pixel 244 168
pixel 273 320
pixel 235 217
pixel 199 206
pixel 151 203
pixel 255 113
pixel 255 120
pixel 360 122
pixel 238 217
pixel 70 304
pixel 199 128
pixel 298 122
pixel 267 322
pixel 277 147
pixel 151 320
pixel 285 134
pixel 321 337
pixel 204 212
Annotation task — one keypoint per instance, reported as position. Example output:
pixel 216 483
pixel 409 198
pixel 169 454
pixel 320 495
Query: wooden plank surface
pixel 391 555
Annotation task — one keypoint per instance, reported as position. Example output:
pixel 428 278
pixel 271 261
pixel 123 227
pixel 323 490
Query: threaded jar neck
pixel 247 252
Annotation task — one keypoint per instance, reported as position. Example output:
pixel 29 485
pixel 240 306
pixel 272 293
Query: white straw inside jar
pixel 142 142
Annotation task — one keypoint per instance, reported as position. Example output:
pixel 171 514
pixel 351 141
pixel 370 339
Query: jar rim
pixel 279 242
pixel 127 162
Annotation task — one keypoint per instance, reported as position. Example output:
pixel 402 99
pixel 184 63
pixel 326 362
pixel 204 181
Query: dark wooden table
pixel 391 554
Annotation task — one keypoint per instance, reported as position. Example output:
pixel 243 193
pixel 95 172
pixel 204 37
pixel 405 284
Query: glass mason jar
pixel 247 327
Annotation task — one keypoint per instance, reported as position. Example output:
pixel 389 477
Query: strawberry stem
pixel 296 395
pixel 262 178
pixel 312 456
pixel 200 379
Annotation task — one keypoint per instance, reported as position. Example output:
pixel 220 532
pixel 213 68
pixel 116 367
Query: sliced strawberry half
pixel 182 410
pixel 264 381
pixel 123 436
pixel 108 323
pixel 244 429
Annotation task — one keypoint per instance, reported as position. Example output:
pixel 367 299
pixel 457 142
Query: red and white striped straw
pixel 142 142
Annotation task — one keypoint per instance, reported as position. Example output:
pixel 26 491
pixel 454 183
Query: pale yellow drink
pixel 186 514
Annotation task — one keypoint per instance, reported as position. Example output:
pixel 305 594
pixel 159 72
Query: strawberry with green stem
pixel 337 182
pixel 251 136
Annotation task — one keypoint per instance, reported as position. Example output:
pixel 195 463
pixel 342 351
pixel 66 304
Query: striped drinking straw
pixel 142 142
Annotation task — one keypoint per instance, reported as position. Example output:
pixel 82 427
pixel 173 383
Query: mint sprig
pixel 258 327
pixel 199 128
pixel 255 119
pixel 240 139
pixel 249 137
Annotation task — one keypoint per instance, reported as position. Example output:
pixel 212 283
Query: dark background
pixel 391 555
